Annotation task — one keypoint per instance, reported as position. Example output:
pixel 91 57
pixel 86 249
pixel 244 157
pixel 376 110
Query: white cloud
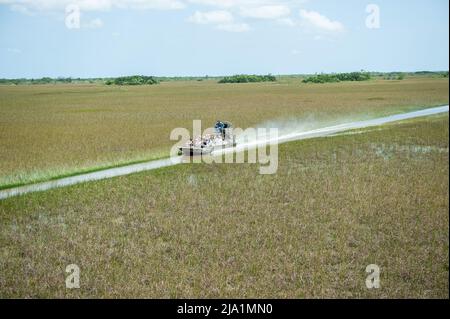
pixel 223 20
pixel 321 22
pixel 216 3
pixel 93 5
pixel 21 9
pixel 33 6
pixel 232 3
pixel 241 3
pixel 222 17
pixel 287 22
pixel 150 4
pixel 234 27
pixel 93 24
pixel 265 12
pixel 14 50
pixel 211 17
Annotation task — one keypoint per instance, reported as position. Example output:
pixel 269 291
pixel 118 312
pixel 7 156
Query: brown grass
pixel 52 130
pixel 336 205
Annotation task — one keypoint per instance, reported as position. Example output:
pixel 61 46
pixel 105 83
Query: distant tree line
pixel 245 78
pixel 337 77
pixel 44 80
pixel 125 80
pixel 395 76
pixel 133 80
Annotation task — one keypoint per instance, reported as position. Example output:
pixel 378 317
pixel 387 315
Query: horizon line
pixel 213 76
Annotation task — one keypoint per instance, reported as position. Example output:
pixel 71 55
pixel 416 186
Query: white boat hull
pixel 195 150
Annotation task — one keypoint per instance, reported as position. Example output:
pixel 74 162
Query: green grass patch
pixel 338 77
pixel 245 78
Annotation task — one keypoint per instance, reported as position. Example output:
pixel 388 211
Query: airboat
pixel 222 138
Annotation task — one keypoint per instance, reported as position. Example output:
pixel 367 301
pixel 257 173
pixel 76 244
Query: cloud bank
pixel 225 15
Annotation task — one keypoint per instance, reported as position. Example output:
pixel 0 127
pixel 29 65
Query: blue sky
pixel 219 37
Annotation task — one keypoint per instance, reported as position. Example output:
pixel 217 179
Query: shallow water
pixel 107 173
pixel 134 168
